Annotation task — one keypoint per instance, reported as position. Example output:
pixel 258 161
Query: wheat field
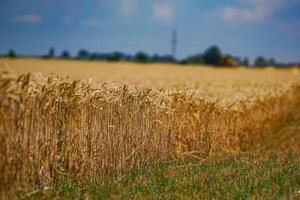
pixel 93 120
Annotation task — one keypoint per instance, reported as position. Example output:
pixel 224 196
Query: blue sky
pixel 240 27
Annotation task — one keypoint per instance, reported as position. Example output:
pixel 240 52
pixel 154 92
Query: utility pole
pixel 174 43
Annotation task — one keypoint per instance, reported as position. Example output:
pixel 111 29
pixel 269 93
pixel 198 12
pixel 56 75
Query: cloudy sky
pixel 240 27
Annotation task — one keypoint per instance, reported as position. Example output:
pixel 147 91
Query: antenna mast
pixel 174 43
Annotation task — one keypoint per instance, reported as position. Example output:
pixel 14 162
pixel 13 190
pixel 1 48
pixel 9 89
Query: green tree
pixel 246 62
pixel 83 54
pixel 65 54
pixel 194 59
pixel 213 55
pixel 11 53
pixel 141 57
pixel 272 62
pixel 260 61
pixel 115 56
pixel 51 53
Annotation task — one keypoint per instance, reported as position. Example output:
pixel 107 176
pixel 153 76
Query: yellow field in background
pixel 222 84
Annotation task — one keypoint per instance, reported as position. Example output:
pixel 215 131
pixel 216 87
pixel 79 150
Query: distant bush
pixel 164 58
pixel 141 57
pixel 11 53
pixel 115 56
pixel 98 56
pixel 83 54
pixel 213 55
pixel 246 62
pixel 260 61
pixel 195 59
pixel 51 53
pixel 272 62
pixel 65 54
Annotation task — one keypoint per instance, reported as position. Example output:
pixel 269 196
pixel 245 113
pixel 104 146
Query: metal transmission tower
pixel 174 43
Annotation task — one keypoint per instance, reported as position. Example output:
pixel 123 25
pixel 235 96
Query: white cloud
pixel 163 12
pixel 66 19
pixel 30 19
pixel 251 10
pixel 91 22
pixel 128 7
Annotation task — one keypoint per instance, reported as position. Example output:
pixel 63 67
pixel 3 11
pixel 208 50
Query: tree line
pixel 211 56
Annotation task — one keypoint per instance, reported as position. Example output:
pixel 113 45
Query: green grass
pixel 270 172
pixel 238 177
